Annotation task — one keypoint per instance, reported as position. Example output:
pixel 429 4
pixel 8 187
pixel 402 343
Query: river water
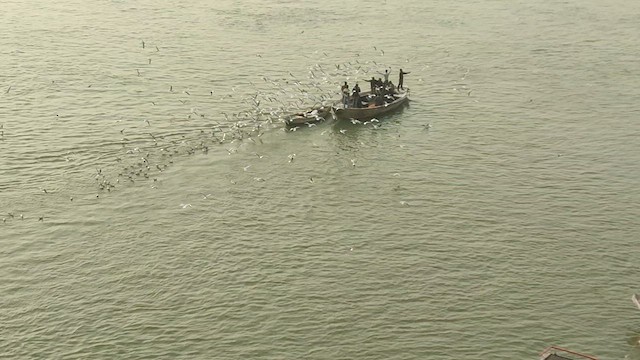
pixel 153 206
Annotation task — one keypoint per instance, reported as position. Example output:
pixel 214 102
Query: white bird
pixel 247 167
pixel 353 162
pixel 184 206
pixel 291 157
pixel 404 203
pixel 343 131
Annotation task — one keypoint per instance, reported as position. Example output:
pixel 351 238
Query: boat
pixel 369 109
pixel 309 117
pixel 558 353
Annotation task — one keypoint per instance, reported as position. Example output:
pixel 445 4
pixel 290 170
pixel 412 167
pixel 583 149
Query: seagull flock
pixel 148 149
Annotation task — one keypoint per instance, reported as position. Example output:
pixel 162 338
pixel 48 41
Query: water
pixel 506 225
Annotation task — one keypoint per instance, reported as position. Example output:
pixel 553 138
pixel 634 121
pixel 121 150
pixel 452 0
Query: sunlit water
pixel 494 216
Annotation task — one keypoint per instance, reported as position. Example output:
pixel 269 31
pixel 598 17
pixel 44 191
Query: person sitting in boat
pixel 345 94
pixel 379 101
pixel 390 88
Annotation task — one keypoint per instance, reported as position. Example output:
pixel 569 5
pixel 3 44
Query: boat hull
pixel 372 111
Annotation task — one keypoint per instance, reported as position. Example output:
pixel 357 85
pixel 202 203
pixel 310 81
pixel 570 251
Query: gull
pixel 206 196
pixel 258 179
pixel 149 61
pixel 353 162
pixel 157 49
pixel 259 156
pixel 44 191
pixel 21 216
pixel 342 131
pixel 71 198
pixel 41 218
pixel 247 167
pixel 404 203
pixel 143 44
pixel 375 120
pixel 138 71
pixel 291 157
pixel 147 121
pixel 311 124
pixel 354 121
pixel 9 89
pixel 465 74
pixel 311 180
pixel 171 88
pixel 184 206
pixel 4 220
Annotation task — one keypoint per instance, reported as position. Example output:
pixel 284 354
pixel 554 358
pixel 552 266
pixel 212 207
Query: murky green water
pixel 151 210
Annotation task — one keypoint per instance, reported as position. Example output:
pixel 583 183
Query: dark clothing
pixel 356 96
pixel 372 82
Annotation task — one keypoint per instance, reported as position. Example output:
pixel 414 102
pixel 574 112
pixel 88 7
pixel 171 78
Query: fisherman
pixel 386 76
pixel 372 82
pixel 345 95
pixel 401 79
pixel 356 96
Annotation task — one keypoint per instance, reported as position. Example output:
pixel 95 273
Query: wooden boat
pixel 309 117
pixel 369 109
pixel 558 353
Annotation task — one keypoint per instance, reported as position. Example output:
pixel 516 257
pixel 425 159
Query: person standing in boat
pixel 372 82
pixel 401 79
pixel 386 76
pixel 356 96
pixel 345 94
